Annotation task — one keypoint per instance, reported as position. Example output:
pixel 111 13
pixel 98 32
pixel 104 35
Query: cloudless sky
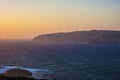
pixel 29 18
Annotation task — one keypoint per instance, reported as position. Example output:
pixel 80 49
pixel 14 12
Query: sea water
pixel 68 61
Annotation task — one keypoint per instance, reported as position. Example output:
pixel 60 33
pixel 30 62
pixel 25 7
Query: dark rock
pixel 17 78
pixel 18 73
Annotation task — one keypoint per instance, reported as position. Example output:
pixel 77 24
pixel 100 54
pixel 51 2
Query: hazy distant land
pixel 93 36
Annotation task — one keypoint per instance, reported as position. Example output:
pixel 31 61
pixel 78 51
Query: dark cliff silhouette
pixel 93 36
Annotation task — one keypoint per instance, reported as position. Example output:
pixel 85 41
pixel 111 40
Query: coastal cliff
pixel 93 36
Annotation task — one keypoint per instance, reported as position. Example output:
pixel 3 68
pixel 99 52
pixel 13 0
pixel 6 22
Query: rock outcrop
pixel 17 73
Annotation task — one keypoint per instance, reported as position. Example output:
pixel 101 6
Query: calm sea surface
pixel 69 61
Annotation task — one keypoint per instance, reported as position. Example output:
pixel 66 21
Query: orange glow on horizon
pixel 27 19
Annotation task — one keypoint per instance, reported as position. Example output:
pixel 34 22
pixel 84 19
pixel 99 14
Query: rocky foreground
pixel 18 78
pixel 17 73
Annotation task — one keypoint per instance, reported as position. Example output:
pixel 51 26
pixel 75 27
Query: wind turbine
pixel 101 27
pixel 77 28
pixel 86 28
pixel 68 29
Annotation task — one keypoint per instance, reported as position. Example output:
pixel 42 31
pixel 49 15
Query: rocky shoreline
pixel 17 73
pixel 18 78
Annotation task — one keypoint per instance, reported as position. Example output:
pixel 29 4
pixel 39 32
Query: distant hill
pixel 93 36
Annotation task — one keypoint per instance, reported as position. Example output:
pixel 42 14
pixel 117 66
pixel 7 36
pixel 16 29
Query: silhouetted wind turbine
pixel 86 28
pixel 68 29
pixel 101 27
pixel 51 30
pixel 77 28
pixel 59 29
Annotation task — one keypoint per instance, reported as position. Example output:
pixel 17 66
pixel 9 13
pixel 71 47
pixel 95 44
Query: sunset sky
pixel 29 18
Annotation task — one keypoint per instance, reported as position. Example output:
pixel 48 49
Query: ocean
pixel 68 61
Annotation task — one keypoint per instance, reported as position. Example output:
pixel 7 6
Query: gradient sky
pixel 29 18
